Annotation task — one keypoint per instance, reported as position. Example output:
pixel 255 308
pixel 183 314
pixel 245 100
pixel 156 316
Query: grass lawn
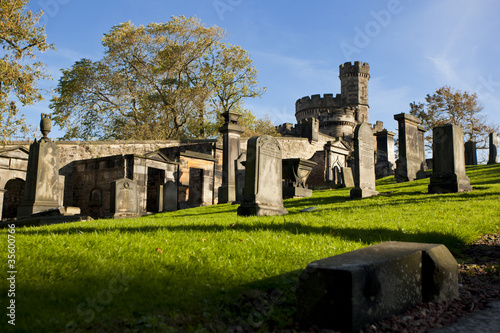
pixel 206 269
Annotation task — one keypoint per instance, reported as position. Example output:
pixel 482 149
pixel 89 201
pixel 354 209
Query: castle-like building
pixel 336 116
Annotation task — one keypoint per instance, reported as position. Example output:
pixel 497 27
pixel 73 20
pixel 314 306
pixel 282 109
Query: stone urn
pixel 45 124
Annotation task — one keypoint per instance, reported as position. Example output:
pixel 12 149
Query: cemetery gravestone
pixel 411 162
pixel 239 166
pixel 364 162
pixel 169 196
pixel 493 148
pixel 263 194
pixel 470 153
pixel 231 132
pixel 385 154
pixel 347 178
pixel 124 198
pixel 448 174
pixel 42 189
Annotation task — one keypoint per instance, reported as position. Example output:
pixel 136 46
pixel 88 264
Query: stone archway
pixel 14 190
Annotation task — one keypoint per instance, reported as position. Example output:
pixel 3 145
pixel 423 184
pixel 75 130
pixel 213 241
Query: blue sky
pixel 413 47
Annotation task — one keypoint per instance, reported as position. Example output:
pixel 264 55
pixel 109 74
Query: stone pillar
pixel 448 173
pixel 493 148
pixel 364 162
pixel 2 192
pixel 411 162
pixel 239 166
pixel 159 198
pixel 470 153
pixel 41 191
pixel 386 161
pixel 231 132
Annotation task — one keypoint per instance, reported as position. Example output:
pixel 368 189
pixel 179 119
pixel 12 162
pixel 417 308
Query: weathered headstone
pixel 448 173
pixel 492 159
pixel 263 183
pixel 470 153
pixel 159 198
pixel 42 189
pixel 411 162
pixel 347 178
pixel 295 174
pixel 169 196
pixel 124 198
pixel 239 166
pixel 350 290
pixel 364 162
pixel 386 161
pixel 231 132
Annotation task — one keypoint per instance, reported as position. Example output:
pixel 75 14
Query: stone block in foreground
pixel 348 291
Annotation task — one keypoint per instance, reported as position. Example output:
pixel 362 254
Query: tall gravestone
pixel 231 132
pixel 42 189
pixel 364 162
pixel 170 196
pixel 263 194
pixel 492 159
pixel 411 162
pixel 386 161
pixel 124 198
pixel 448 173
pixel 470 153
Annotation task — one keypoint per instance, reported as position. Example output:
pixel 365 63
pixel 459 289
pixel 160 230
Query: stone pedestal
pixel 295 174
pixel 492 159
pixel 364 162
pixel 231 132
pixel 42 190
pixel 263 193
pixel 470 153
pixel 411 162
pixel 448 174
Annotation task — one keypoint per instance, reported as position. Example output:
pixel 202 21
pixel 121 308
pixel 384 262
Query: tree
pixel 164 81
pixel 20 39
pixel 463 109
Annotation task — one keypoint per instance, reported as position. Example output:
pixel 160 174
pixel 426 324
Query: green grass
pixel 216 269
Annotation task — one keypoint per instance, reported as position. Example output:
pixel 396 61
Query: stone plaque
pixel 170 196
pixel 263 178
pixel 448 173
pixel 124 198
pixel 364 162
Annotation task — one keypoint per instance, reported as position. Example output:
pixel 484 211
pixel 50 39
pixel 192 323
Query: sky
pixel 412 47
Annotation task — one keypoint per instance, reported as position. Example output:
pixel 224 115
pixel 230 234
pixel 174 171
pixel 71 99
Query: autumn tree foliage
pixel 21 39
pixel 161 81
pixel 463 109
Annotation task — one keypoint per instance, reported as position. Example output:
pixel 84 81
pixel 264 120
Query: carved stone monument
pixel 42 188
pixel 470 153
pixel 295 173
pixel 263 178
pixel 493 148
pixel 411 162
pixel 448 173
pixel 124 198
pixel 386 161
pixel 231 132
pixel 364 162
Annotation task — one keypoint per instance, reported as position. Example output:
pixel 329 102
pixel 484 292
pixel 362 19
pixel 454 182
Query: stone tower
pixel 354 88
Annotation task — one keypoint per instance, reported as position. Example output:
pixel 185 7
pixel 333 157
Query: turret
pixel 354 88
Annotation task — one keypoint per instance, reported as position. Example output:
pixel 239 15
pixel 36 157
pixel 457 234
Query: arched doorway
pixel 14 190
